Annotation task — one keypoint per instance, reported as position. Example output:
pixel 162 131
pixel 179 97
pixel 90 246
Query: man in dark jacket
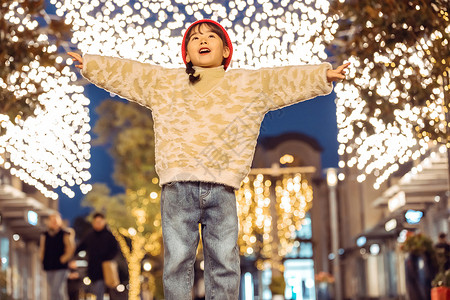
pixel 100 245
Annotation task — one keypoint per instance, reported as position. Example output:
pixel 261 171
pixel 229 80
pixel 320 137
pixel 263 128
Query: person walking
pixel 100 246
pixel 56 248
pixel 443 252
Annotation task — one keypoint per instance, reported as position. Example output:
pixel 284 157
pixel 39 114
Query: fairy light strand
pixel 293 199
pixel 51 150
pixel 381 154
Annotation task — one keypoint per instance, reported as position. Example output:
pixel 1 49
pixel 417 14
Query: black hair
pixel 190 71
pixel 214 28
pixel 98 215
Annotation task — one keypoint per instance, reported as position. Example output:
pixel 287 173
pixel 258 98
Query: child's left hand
pixel 338 74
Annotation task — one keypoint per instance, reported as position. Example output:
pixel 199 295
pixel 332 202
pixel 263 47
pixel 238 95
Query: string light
pixel 51 150
pixel 293 199
pixel 389 146
pixel 263 34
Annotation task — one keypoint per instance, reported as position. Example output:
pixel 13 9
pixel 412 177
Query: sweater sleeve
pixel 283 86
pixel 129 79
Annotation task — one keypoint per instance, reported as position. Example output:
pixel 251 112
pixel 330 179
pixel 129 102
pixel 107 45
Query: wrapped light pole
pixel 332 181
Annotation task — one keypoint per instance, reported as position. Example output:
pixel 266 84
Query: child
pixel 206 126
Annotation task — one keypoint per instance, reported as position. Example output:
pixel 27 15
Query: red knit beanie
pixel 230 46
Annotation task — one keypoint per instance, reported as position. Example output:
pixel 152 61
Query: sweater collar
pixel 217 72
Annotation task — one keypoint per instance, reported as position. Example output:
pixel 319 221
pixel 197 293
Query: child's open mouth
pixel 204 50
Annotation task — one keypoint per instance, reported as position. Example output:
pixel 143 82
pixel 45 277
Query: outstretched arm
pixel 129 79
pixel 283 86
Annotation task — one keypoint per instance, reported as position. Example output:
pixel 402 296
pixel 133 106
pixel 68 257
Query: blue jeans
pixel 57 284
pixel 183 206
pixel 98 289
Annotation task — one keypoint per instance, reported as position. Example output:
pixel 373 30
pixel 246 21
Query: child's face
pixel 205 48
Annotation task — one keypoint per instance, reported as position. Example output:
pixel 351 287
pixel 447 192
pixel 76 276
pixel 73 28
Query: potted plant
pixel 324 281
pixel 277 287
pixel 417 244
pixel 441 284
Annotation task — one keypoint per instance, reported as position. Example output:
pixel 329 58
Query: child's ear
pixel 226 52
pixel 188 59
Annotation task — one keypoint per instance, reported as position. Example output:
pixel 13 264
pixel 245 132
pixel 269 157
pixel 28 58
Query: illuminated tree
pixel 44 119
pixel 23 43
pixel 395 103
pixel 271 210
pixel 135 216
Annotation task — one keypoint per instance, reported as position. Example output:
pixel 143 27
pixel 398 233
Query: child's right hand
pixel 77 57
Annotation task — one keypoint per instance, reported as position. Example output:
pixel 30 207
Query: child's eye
pixel 211 35
pixel 194 38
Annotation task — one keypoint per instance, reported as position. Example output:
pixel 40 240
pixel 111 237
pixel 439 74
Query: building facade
pixel 374 223
pixel 22 211
pixel 292 154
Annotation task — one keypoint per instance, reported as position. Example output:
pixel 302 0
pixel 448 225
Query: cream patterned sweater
pixel 206 131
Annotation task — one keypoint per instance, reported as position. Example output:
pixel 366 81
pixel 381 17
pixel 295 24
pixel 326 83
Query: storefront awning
pixel 19 212
pixel 424 185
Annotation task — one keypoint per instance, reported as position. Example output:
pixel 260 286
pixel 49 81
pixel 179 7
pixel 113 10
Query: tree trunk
pixel 134 266
pixel 134 258
pixel 276 259
pixel 134 270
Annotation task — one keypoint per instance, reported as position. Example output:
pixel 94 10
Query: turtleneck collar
pixel 217 72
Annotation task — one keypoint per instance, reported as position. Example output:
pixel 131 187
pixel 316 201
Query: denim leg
pixel 62 284
pixel 219 236
pixel 50 275
pixel 180 215
pixel 98 289
pixel 57 284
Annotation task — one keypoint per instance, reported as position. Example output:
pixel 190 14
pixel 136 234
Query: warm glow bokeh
pixel 52 150
pixel 258 210
pixel 264 33
pixel 382 153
